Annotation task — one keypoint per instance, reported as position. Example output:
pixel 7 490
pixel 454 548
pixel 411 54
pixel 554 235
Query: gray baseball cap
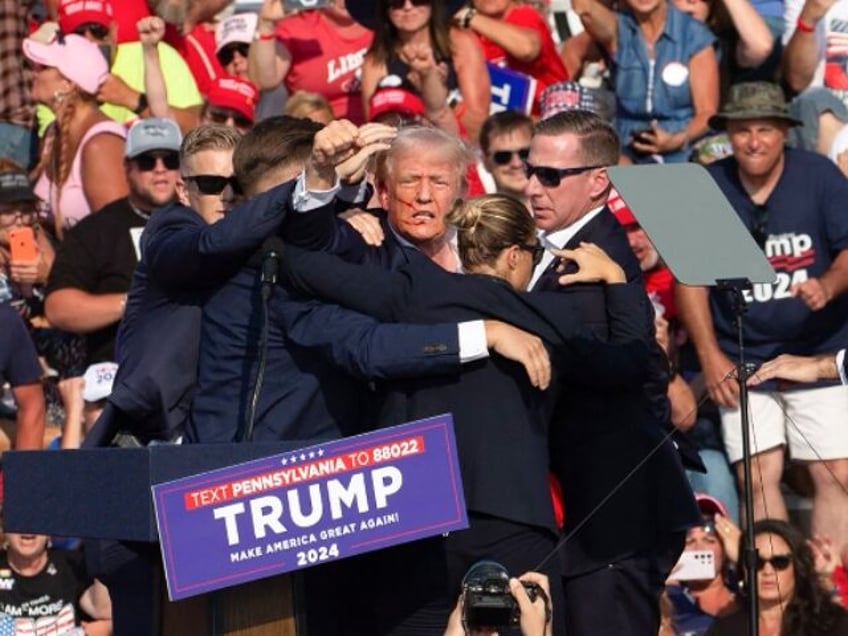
pixel 153 133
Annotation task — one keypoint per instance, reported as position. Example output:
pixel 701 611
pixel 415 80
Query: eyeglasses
pixel 147 161
pixel 400 4
pixel 537 250
pixel 97 31
pixel 226 55
pixel 778 561
pixel 8 217
pixel 503 157
pixel 223 115
pixel 213 184
pixel 759 228
pixel 551 177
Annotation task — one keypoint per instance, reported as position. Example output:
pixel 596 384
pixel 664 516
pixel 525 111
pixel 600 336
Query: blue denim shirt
pixel 661 93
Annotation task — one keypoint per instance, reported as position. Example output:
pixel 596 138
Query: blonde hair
pixel 430 142
pixel 487 225
pixel 304 103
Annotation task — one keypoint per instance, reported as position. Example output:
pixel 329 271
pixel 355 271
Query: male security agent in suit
pixel 624 547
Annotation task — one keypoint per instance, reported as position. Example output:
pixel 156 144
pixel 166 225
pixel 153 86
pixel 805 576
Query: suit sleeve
pixel 181 250
pixel 368 289
pixel 371 350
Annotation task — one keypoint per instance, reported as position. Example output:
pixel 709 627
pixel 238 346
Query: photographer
pixel 535 616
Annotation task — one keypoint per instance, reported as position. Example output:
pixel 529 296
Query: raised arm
pixel 268 60
pixel 755 40
pixel 182 251
pixel 522 43
pixel 599 21
pixel 805 45
pixel 151 30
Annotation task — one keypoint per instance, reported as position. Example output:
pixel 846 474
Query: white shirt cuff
pixel 472 341
pixel 304 200
pixel 840 365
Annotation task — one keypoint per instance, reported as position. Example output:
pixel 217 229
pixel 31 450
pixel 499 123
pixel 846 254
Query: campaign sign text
pixel 306 507
pixel 511 90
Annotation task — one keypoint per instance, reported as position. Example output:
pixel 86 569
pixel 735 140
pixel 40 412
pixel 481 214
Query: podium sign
pixel 309 506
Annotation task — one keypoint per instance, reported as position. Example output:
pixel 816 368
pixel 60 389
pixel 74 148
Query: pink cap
pixel 395 99
pixel 235 93
pixel 77 59
pixel 709 505
pixel 74 13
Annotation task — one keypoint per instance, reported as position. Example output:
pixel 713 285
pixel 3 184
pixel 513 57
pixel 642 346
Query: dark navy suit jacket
pixel 599 436
pixel 501 421
pixel 183 258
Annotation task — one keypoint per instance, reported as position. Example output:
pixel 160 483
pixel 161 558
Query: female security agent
pixel 792 601
pixel 664 71
pixel 81 165
pixel 496 410
pixel 414 41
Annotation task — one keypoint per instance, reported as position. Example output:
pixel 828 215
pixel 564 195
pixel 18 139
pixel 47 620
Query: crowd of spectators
pixel 97 96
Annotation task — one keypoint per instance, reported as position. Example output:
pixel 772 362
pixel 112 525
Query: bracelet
pixel 142 104
pixel 469 14
pixel 264 37
pixel 803 27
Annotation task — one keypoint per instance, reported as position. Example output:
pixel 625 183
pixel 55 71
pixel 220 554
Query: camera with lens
pixel 487 600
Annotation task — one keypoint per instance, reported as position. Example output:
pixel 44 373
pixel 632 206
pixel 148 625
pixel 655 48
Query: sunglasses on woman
pixel 226 55
pixel 778 561
pixel 551 177
pixel 223 115
pixel 147 161
pixel 537 250
pixel 503 157
pixel 400 4
pixel 97 31
pixel 213 184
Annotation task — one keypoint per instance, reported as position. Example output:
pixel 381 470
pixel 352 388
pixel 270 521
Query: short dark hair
pixel 501 123
pixel 599 142
pixel 272 144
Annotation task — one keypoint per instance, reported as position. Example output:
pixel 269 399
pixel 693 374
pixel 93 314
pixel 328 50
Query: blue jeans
pixel 17 142
pixel 718 481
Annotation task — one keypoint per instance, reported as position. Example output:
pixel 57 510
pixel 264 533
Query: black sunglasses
pixel 97 31
pixel 759 227
pixel 537 250
pixel 503 157
pixel 213 184
pixel 400 4
pixel 226 55
pixel 778 561
pixel 147 160
pixel 551 177
pixel 222 115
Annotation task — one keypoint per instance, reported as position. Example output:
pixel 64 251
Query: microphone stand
pixel 734 288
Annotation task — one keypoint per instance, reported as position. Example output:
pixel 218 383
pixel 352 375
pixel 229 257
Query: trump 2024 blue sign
pixel 310 506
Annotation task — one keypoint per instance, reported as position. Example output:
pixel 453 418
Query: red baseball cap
pixel 709 505
pixel 235 93
pixel 395 99
pixel 620 209
pixel 74 13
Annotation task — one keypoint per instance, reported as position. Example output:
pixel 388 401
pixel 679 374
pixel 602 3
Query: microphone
pixel 272 254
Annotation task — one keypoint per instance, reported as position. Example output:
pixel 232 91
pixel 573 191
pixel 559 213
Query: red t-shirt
pixel 127 14
pixel 547 68
pixel 325 61
pixel 198 50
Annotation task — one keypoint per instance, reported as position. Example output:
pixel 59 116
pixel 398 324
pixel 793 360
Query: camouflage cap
pixel 754 100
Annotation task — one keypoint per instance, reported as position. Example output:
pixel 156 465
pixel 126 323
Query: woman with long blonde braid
pixel 81 165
